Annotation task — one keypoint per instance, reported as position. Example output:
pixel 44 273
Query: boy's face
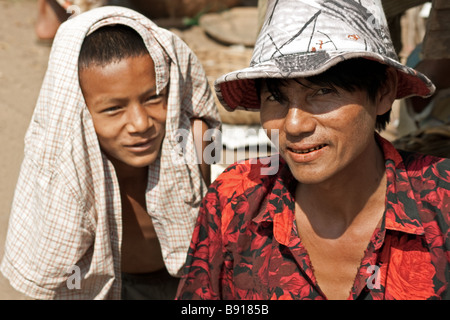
pixel 129 117
pixel 322 131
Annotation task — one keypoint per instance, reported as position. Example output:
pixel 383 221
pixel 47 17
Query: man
pixel 345 216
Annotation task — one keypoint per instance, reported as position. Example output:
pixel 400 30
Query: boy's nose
pixel 138 119
pixel 298 121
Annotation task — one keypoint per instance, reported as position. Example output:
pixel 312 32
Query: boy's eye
pixel 154 98
pixel 111 109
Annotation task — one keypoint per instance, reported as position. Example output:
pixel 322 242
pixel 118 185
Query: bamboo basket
pixel 219 61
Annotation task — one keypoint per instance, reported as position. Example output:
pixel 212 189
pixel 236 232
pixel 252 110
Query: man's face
pixel 129 117
pixel 323 132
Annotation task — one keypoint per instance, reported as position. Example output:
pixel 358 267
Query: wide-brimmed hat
pixel 303 38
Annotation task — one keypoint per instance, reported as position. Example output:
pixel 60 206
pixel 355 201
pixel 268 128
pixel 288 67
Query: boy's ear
pixel 388 92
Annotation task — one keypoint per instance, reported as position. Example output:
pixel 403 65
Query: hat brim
pixel 236 90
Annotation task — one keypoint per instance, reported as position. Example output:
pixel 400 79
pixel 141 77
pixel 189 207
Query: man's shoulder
pixel 418 162
pixel 430 180
pixel 245 174
pixel 253 168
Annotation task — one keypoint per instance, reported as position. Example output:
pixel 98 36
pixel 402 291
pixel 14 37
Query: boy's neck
pixel 128 175
pixel 135 176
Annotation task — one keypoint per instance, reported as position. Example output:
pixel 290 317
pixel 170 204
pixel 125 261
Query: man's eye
pixel 275 98
pixel 323 91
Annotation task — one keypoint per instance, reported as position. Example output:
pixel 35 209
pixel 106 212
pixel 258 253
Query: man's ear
pixel 388 92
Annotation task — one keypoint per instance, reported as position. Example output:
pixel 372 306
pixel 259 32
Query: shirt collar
pixel 401 213
pixel 278 207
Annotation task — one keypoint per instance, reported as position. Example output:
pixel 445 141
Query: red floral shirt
pixel 246 246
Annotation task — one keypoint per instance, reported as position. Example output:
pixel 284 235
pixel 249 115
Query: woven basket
pixel 221 60
pixel 181 8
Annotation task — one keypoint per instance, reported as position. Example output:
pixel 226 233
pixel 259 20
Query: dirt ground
pixel 22 66
pixel 23 62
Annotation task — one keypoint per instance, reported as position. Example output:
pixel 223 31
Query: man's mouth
pixel 304 151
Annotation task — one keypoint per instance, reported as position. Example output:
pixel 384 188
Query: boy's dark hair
pixel 352 74
pixel 110 43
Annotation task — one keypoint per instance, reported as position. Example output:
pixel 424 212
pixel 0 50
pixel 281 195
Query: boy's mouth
pixel 140 146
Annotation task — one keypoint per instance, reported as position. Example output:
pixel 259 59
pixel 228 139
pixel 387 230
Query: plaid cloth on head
pixel 66 218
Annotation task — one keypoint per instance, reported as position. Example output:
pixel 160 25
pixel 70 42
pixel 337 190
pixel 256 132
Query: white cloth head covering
pixel 303 38
pixel 66 209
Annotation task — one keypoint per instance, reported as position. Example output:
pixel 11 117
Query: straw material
pixel 218 61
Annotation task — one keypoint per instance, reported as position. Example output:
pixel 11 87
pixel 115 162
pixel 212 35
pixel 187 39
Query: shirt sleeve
pixel 48 234
pixel 204 266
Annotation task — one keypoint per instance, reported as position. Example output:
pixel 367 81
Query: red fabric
pixel 240 94
pixel 246 246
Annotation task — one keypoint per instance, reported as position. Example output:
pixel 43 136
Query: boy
pixel 345 216
pixel 106 199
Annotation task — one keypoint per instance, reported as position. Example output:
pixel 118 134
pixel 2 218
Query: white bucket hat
pixel 303 38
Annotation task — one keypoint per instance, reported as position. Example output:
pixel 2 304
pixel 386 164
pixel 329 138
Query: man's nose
pixel 299 121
